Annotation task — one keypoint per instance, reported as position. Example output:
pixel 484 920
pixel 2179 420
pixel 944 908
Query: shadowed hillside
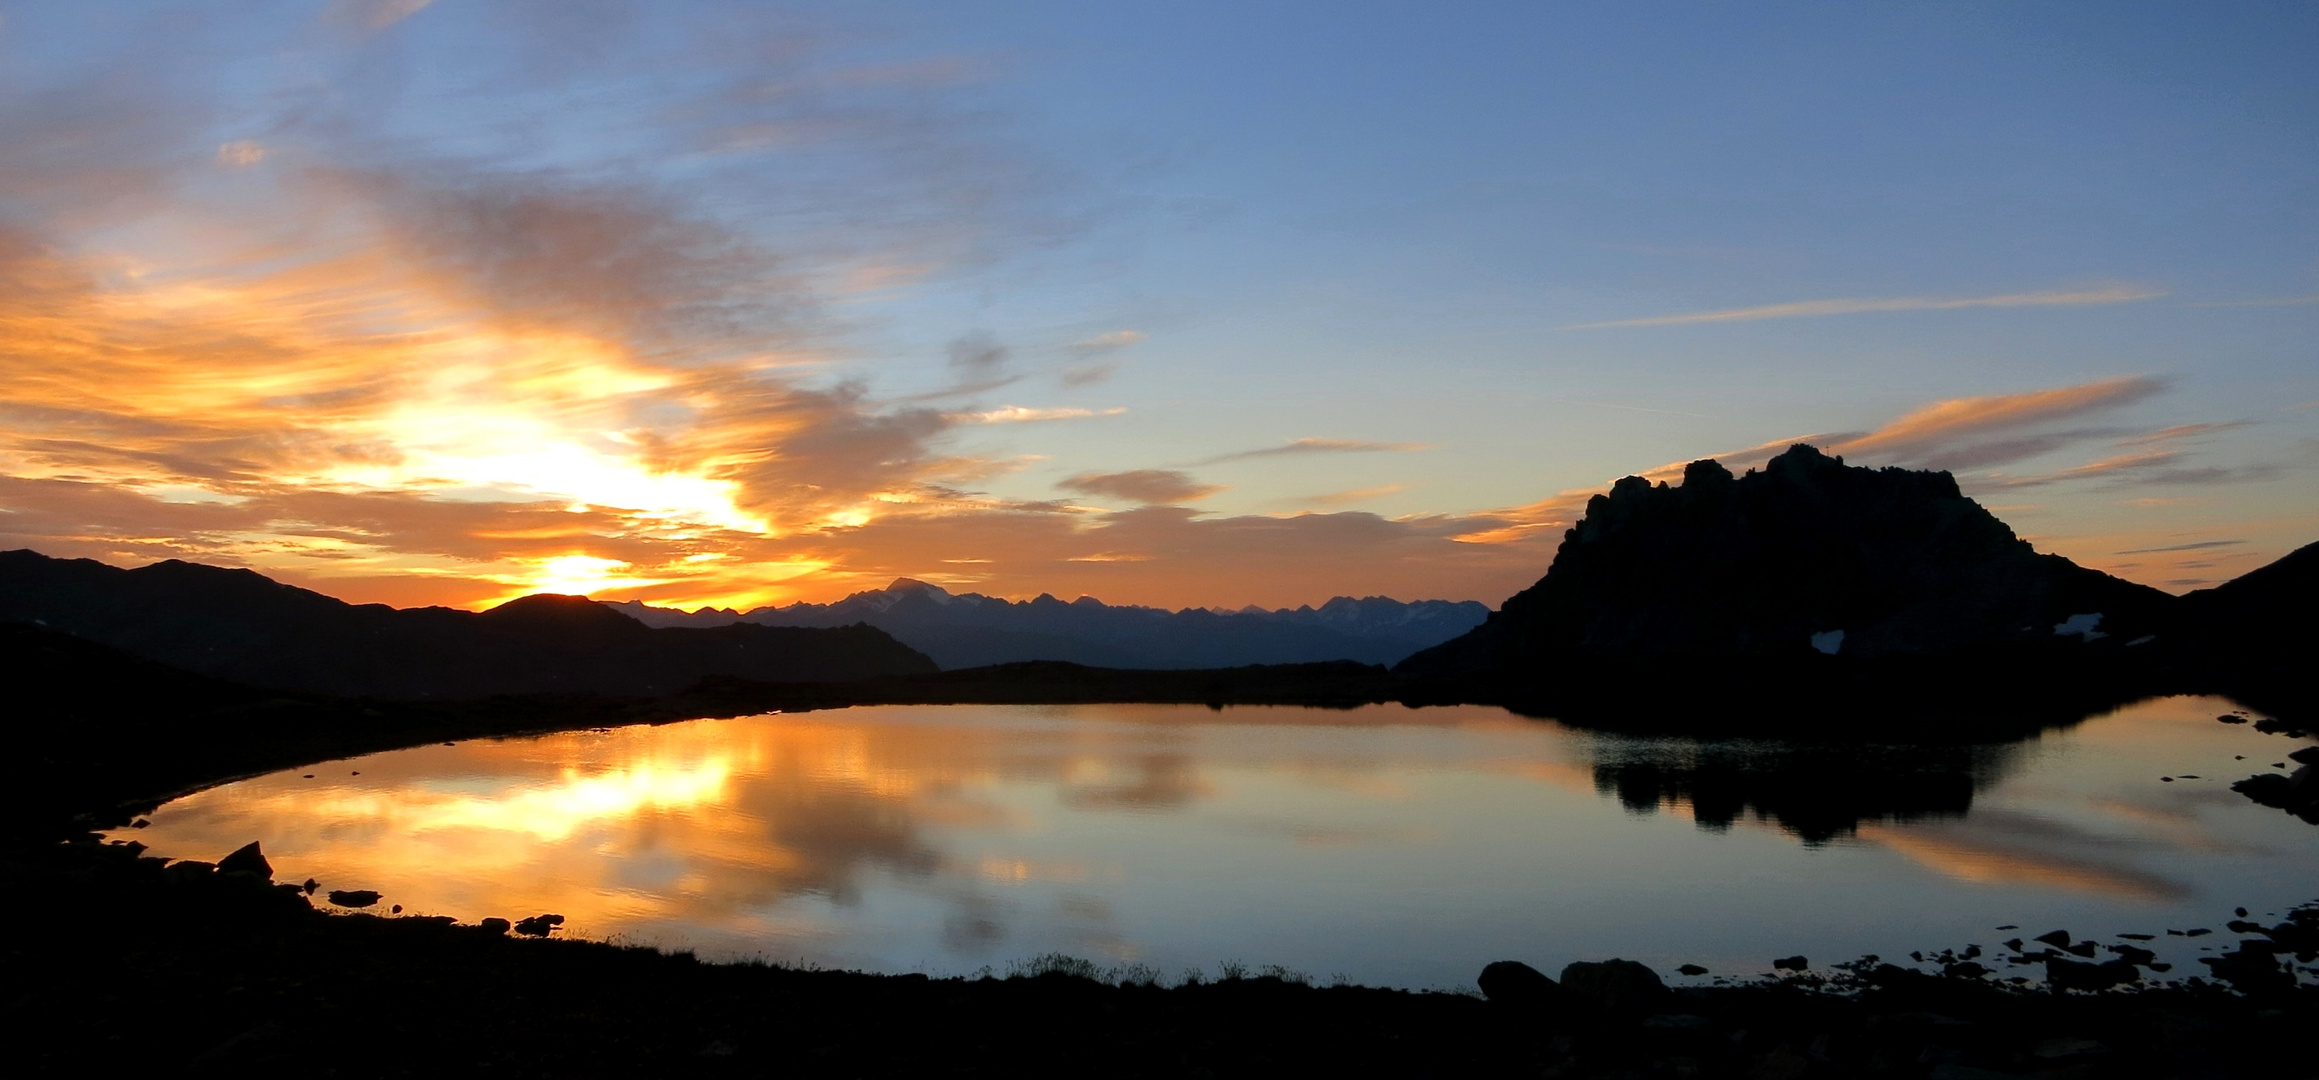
pixel 238 625
pixel 2259 633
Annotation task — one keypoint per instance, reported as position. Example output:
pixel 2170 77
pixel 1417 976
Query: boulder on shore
pixel 1614 985
pixel 1512 982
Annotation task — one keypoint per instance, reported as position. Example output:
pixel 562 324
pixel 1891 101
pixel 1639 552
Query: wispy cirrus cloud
pixel 1806 309
pixel 2109 466
pixel 1318 446
pixel 1021 414
pixel 1110 341
pixel 1975 432
pixel 2151 458
pixel 2201 545
pixel 1089 349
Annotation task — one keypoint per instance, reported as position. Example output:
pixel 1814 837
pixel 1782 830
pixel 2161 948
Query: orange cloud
pixel 1962 428
pixel 1354 495
pixel 1151 486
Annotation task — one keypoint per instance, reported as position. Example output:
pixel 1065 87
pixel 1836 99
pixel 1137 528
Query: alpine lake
pixel 1383 845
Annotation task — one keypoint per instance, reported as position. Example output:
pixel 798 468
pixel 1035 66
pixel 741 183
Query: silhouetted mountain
pixel 2257 633
pixel 2265 609
pixel 238 625
pixel 972 630
pixel 1809 565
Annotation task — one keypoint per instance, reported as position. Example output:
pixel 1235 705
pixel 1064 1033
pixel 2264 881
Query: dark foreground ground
pixel 120 965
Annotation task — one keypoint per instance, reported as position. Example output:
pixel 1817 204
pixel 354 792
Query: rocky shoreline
pixel 127 961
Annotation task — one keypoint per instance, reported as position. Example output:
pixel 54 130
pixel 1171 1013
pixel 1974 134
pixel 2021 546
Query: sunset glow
pixel 852 302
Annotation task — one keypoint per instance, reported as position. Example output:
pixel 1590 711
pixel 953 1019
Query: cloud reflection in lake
pixel 1396 845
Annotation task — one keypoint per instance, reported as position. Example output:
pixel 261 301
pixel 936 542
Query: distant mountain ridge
pixel 242 626
pixel 962 630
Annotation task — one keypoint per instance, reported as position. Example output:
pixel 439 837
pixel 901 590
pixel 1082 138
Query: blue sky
pixel 775 301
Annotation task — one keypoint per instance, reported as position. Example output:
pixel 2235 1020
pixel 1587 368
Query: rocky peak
pixel 913 587
pixel 1779 561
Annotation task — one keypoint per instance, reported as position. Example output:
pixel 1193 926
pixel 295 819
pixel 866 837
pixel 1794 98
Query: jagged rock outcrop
pixel 1806 562
pixel 244 627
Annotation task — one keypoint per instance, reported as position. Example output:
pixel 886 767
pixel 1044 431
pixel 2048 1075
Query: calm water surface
pixel 1394 846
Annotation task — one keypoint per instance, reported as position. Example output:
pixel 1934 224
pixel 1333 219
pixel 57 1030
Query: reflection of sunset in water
pixel 553 812
pixel 1397 845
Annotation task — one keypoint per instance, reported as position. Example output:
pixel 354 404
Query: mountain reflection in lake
pixel 1817 791
pixel 1393 845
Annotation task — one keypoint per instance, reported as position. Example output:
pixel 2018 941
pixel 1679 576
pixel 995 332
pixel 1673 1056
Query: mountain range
pixel 964 630
pixel 243 627
pixel 1865 587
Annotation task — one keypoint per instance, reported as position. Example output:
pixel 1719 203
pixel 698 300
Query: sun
pixel 574 575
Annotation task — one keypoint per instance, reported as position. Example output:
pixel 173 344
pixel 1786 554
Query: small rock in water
pixel 2058 938
pixel 2242 912
pixel 1691 969
pixel 310 886
pixel 2166 779
pixel 247 859
pixel 2008 926
pixel 2232 718
pixel 2190 776
pixel 140 823
pixel 396 910
pixel 353 897
pixel 2139 937
pixel 2197 932
pixel 1790 963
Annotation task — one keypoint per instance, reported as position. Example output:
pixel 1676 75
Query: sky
pixel 1183 304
